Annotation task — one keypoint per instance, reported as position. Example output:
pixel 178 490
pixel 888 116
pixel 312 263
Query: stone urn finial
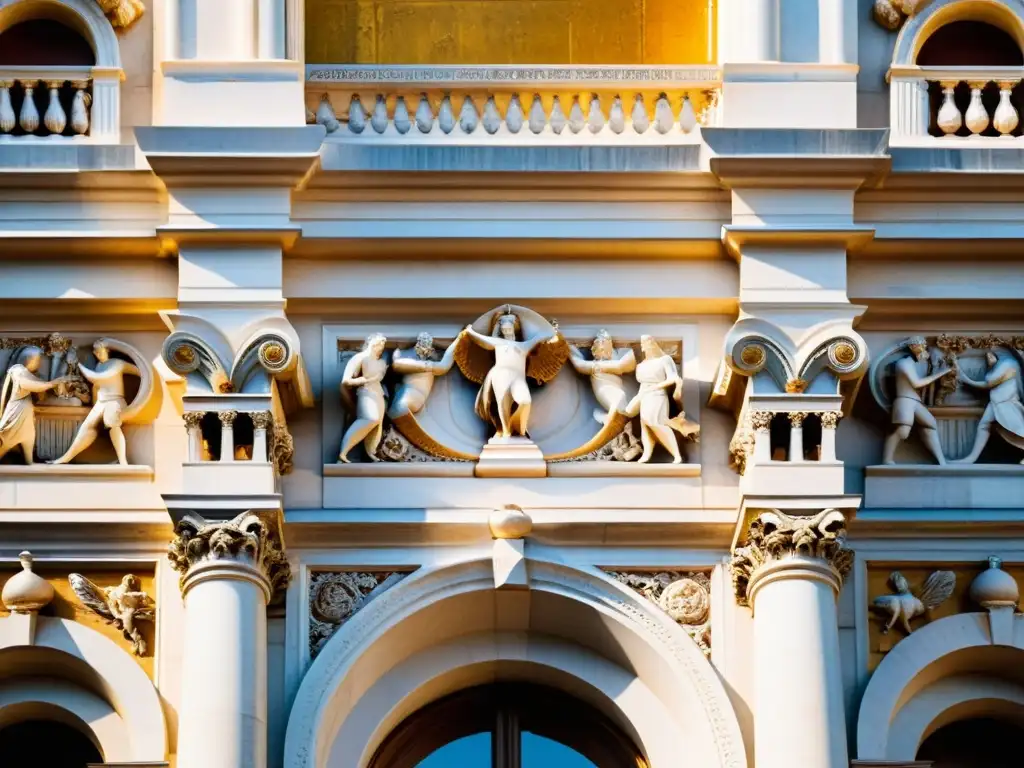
pixel 25 592
pixel 994 587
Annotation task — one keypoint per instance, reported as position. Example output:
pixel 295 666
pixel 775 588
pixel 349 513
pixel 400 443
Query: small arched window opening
pixel 812 438
pixel 780 428
pixel 974 743
pixel 978 45
pixel 48 743
pixel 508 726
pixel 243 437
pixel 210 430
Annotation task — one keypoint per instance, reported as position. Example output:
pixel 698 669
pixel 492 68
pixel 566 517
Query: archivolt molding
pixel 118 679
pixel 935 651
pixel 1008 15
pixel 84 16
pixel 309 735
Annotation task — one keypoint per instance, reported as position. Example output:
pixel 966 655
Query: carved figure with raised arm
pixel 1005 411
pixel 504 398
pixel 109 403
pixel 364 373
pixel 418 368
pixel 907 408
pixel 660 386
pixel 17 409
pixel 605 370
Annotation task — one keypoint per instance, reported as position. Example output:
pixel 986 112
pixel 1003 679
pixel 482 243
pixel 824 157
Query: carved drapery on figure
pixel 953 392
pixel 685 597
pixel 335 596
pixel 775 536
pixel 247 537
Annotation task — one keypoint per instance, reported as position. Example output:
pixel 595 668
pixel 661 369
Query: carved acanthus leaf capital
pixel 227 418
pixel 261 419
pixel 774 536
pixel 246 538
pixel 796 418
pixel 830 419
pixel 761 420
pixel 192 419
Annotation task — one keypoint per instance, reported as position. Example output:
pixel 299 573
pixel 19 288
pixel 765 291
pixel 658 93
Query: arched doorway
pixel 48 742
pixel 980 742
pixel 508 725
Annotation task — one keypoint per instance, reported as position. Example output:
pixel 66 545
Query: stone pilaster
pixel 229 571
pixel 789 571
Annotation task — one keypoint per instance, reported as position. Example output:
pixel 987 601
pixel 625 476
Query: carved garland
pixel 244 537
pixel 774 536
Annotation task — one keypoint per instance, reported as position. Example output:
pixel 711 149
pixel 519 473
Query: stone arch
pixel 97 682
pixel 447 628
pixel 945 671
pixel 84 16
pixel 1007 15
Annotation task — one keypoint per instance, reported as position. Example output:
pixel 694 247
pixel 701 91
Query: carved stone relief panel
pixel 335 596
pixel 108 582
pixel 684 595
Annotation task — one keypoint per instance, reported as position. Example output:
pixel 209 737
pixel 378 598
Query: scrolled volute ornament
pixel 246 538
pixel 185 353
pixel 774 536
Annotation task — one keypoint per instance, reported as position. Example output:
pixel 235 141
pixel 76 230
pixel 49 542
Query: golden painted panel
pixel 510 31
pixel 915 573
pixel 66 606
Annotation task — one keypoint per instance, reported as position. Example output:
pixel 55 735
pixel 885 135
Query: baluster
pixel 445 115
pixel 576 118
pixel 595 117
pixel 261 422
pixel 796 435
pixel 558 118
pixel 761 421
pixel 617 117
pixel 829 425
pixel 687 116
pixel 1006 118
pixel 379 118
pixel 514 116
pixel 468 117
pixel 356 115
pixel 401 119
pixel 29 117
pixel 537 119
pixel 7 117
pixel 492 117
pixel 949 118
pixel 641 122
pixel 977 115
pixel 663 117
pixel 80 107
pixel 193 425
pixel 55 119
pixel 424 115
pixel 227 435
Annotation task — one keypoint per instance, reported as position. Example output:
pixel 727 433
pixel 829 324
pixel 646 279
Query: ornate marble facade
pixel 355 356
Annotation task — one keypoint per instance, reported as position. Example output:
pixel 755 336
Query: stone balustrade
pixel 798 423
pixel 44 103
pixel 210 441
pixel 513 104
pixel 970 103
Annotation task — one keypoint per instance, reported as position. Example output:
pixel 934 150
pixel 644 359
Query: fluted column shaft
pixel 790 573
pixel 229 571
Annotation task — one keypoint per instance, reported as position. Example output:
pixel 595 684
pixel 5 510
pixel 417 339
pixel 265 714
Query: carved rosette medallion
pixel 246 538
pixel 685 597
pixel 774 536
pixel 335 596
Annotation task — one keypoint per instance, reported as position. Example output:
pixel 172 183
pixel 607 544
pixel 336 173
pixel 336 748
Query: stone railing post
pixel 829 425
pixel 227 434
pixel 229 572
pixel 261 422
pixel 789 572
pixel 796 435
pixel 193 425
pixel 761 421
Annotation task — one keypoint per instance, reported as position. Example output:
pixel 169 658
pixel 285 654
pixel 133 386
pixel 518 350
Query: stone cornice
pixel 246 540
pixel 775 539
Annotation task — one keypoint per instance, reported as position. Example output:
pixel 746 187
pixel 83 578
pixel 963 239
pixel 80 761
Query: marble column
pixel 829 425
pixel 261 422
pixel 229 572
pixel 796 435
pixel 789 572
pixel 761 422
pixel 193 425
pixel 227 434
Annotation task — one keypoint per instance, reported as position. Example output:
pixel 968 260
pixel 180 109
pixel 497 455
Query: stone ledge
pixel 132 472
pixel 620 469
pixel 403 469
pixel 109 487
pixel 958 486
pixel 555 469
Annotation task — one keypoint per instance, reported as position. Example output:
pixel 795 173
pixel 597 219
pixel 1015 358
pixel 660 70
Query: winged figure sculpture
pixel 122 606
pixel 906 605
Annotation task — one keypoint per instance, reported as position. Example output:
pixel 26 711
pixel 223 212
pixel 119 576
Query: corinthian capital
pixel 774 536
pixel 246 540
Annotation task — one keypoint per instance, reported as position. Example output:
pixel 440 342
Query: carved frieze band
pixel 685 597
pixel 774 536
pixel 335 596
pixel 246 538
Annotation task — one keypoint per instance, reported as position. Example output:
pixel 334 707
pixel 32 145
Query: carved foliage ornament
pixel 892 13
pixel 774 536
pixel 246 537
pixel 335 596
pixel 685 597
pixel 122 13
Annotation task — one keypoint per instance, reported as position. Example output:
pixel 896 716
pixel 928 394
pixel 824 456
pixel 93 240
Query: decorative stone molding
pixel 334 596
pixel 282 449
pixel 122 605
pixel 774 536
pixel 246 538
pixel 685 597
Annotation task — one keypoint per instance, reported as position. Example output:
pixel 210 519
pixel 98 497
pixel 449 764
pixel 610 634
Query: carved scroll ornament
pixel 775 536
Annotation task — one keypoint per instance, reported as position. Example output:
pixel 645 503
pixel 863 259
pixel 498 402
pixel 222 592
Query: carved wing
pixel 90 595
pixel 473 360
pixel 547 359
pixel 937 588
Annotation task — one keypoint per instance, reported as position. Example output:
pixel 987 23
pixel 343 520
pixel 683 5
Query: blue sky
pixel 475 752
